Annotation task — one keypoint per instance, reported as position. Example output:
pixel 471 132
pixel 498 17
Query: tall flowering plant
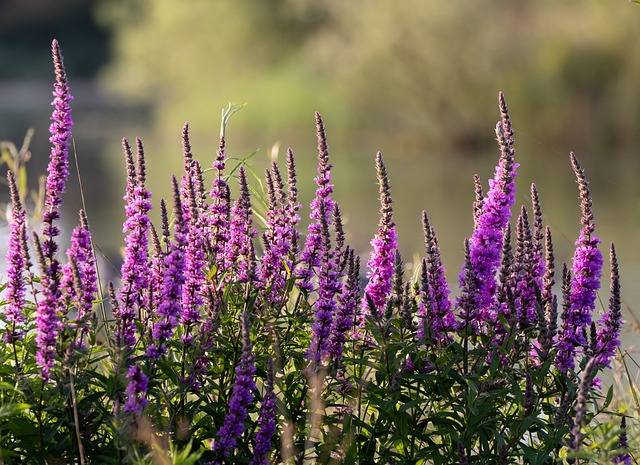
pixel 214 347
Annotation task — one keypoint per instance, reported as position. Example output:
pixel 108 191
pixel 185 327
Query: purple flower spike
pixel 384 244
pixel 479 200
pixel 468 300
pixel 195 261
pixel 277 244
pixel 136 390
pixel 47 321
pixel 608 338
pixel 325 307
pixel 219 209
pixel 587 270
pixel 58 169
pixel 135 280
pixel 523 281
pixel 81 253
pixel 241 233
pixel 16 265
pixel 321 203
pixel 623 443
pixel 347 305
pixel 266 422
pixel 439 318
pixel 169 309
pixel 242 397
pixel 486 242
pixel 293 206
pixel 538 237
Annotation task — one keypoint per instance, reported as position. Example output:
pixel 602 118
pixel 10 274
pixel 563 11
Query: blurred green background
pixel 417 80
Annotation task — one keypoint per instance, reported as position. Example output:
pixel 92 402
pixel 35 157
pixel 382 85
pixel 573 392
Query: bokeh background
pixel 417 80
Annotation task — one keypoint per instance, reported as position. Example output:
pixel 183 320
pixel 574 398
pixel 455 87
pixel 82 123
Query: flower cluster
pixel 385 243
pixel 587 270
pixel 206 320
pixel 322 207
pixel 241 398
pixel 492 217
pixel 16 265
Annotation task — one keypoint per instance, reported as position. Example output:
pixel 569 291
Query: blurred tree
pixel 425 72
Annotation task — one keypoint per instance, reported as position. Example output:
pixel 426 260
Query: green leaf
pixel 11 410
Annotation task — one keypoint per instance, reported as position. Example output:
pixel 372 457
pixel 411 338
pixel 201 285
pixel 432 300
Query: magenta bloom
pixel 195 259
pixel 587 270
pixel 266 422
pixel 623 443
pixel 325 307
pixel 321 208
pixel 485 244
pixel 47 321
pixel 525 278
pixel 135 268
pixel 435 304
pixel 49 304
pixel 281 237
pixel 241 399
pixel 238 249
pixel 58 168
pixel 384 244
pixel 80 254
pixel 136 390
pixel 169 309
pixel 347 305
pixel 16 265
pixel 218 219
pixel 609 325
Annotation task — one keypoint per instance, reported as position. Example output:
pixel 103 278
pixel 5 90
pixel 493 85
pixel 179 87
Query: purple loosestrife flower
pixel 272 269
pixel 564 342
pixel 347 305
pixel 479 200
pixel 241 398
pixel 135 276
pixel 587 270
pixel 624 458
pixel 49 305
pixel 548 278
pixel 325 307
pixel 281 238
pixel 241 233
pixel 266 421
pixel 439 318
pixel 486 241
pixel 468 300
pixel 81 253
pixel 504 305
pixel 321 203
pixel 136 391
pixel 537 256
pixel 195 260
pixel 291 210
pixel 16 265
pixel 523 278
pixel 608 338
pixel 58 169
pixel 169 308
pixel 219 208
pixel 47 321
pixel 385 243
pixel 187 186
